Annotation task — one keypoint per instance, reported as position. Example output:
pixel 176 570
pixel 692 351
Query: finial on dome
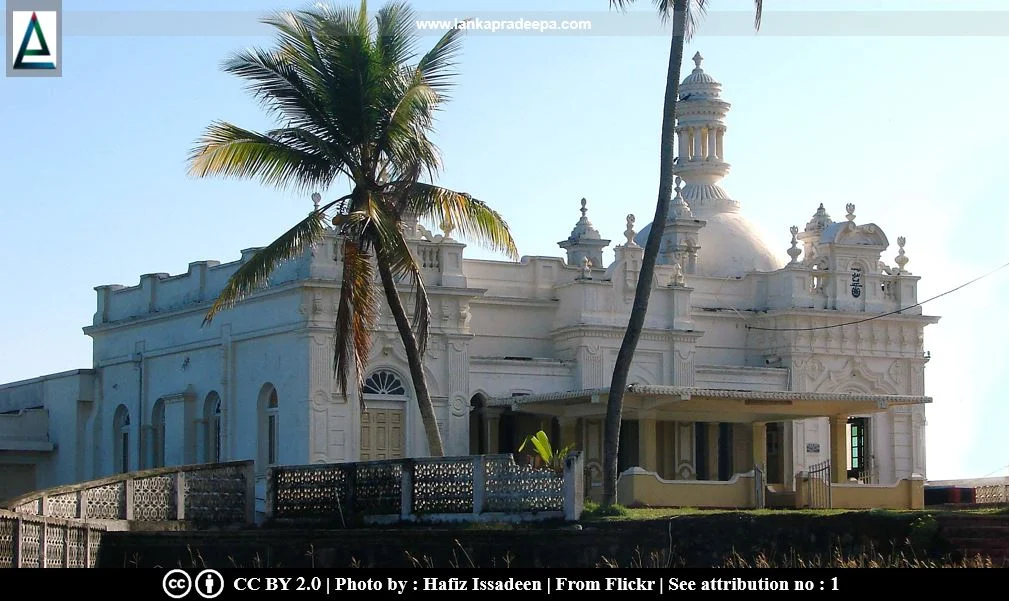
pixel 850 207
pixel 629 233
pixel 316 199
pixel 583 209
pixel 698 59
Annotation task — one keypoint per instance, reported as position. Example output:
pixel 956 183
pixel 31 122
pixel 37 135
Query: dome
pixel 699 84
pixel 730 247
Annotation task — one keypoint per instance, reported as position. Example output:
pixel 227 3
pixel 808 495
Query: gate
pixel 818 486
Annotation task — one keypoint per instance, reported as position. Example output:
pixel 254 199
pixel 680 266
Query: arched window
pixel 121 439
pixel 385 383
pixel 158 434
pixel 212 435
pixel 269 427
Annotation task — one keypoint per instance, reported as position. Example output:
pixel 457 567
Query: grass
pixel 595 512
pixel 658 513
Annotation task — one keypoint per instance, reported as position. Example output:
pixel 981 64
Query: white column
pixel 684 139
pixel 696 135
pixel 719 134
pixel 712 144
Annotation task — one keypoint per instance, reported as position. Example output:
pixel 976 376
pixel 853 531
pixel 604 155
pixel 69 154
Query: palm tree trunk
pixel 413 358
pixel 618 384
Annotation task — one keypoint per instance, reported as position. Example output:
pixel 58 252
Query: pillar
pixel 697 139
pixel 759 445
pixel 648 457
pixel 491 417
pixel 569 432
pixel 683 137
pixel 712 144
pixel 839 448
pixel 713 448
pixel 719 135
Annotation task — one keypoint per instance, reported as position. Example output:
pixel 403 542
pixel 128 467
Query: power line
pixel 894 312
pixel 996 471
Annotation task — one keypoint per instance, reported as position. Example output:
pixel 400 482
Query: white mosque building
pixel 751 357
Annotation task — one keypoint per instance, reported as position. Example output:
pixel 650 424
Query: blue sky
pixel 867 106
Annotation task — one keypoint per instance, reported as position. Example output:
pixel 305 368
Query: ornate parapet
pixel 221 493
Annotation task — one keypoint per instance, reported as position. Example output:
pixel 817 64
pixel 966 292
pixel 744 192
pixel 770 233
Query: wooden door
pixel 382 434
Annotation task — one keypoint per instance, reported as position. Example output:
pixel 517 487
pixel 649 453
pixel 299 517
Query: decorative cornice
pixel 688 392
pixel 605 331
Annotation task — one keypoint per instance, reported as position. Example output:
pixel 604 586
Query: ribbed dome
pixel 730 246
pixel 699 84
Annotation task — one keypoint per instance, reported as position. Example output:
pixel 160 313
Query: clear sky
pixel 896 108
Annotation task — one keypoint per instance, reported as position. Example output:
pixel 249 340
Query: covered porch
pixel 686 446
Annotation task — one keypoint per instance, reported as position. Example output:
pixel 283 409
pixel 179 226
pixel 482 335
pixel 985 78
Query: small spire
pixel 447 227
pixel 794 252
pixel 680 208
pixel 698 59
pixel 819 221
pixel 629 233
pixel 584 228
pixel 901 259
pixel 316 199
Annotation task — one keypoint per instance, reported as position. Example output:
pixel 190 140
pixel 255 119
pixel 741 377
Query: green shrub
pixel 593 510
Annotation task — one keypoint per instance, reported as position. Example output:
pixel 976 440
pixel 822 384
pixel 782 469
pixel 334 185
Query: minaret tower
pixel 700 130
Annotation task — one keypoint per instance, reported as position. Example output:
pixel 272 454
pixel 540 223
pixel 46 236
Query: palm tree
pixel 683 14
pixel 352 107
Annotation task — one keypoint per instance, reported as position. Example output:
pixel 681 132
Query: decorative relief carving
pixel 855 374
pixel 683 367
pixel 591 366
pixel 897 371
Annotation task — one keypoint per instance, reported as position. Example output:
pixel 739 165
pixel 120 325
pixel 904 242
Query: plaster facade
pixel 744 360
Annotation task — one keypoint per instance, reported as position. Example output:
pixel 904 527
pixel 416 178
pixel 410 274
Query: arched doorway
pixel 383 417
pixel 478 425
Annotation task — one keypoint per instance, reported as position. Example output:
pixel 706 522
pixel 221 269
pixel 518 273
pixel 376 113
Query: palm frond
pixel 356 316
pixel 282 81
pixel 473 218
pixel 695 9
pixel 436 67
pixel 758 9
pixel 395 33
pixel 405 138
pixel 227 150
pixel 255 272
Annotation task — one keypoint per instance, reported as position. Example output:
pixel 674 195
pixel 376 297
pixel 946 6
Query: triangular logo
pixel 43 50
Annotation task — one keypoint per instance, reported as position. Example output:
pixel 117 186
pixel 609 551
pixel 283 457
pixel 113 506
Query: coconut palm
pixel 352 108
pixel 684 15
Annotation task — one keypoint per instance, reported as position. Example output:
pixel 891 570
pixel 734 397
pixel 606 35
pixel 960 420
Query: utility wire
pixel 857 321
pixel 1006 466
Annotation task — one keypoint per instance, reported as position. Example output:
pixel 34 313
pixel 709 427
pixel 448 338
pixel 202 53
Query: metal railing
pixel 818 486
